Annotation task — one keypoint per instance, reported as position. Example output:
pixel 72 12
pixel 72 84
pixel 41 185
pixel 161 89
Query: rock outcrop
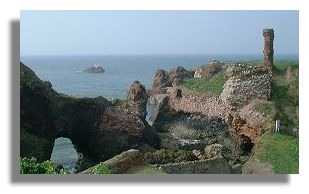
pixel 161 82
pixel 164 80
pixel 137 99
pixel 38 112
pixel 95 69
pixel 209 70
pixel 97 127
pixel 178 73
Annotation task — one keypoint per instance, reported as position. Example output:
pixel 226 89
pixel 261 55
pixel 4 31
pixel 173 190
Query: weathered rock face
pixel 160 83
pixel 208 71
pixel 137 99
pixel 246 82
pixel 97 128
pixel 37 115
pixel 268 47
pixel 178 73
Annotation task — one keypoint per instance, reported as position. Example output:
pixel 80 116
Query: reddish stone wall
pixel 196 102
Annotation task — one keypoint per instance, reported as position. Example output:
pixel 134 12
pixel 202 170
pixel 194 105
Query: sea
pixel 67 76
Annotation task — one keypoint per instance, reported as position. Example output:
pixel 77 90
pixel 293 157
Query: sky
pixel 155 32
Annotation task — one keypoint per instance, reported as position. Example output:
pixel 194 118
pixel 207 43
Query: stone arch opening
pixel 64 154
pixel 246 144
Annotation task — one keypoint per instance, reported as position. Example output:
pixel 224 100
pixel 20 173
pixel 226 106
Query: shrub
pixel 32 166
pixel 101 169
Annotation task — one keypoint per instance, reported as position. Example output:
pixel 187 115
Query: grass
pixel 280 150
pixel 119 102
pixel 285 95
pixel 267 107
pixel 214 85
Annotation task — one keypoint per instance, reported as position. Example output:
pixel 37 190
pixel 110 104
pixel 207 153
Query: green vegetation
pixel 285 94
pixel 267 107
pixel 119 102
pixel 100 169
pixel 32 166
pixel 280 150
pixel 214 85
pixel 33 146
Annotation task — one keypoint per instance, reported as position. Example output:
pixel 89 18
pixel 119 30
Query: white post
pixel 277 126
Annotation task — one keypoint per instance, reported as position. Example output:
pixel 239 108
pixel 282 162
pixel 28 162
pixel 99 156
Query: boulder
pixel 137 99
pixel 95 69
pixel 121 162
pixel 124 161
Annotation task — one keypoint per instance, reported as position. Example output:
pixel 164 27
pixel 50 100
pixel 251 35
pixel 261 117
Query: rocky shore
pixel 191 131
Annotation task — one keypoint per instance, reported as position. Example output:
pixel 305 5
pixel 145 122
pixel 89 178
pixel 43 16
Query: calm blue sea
pixel 65 74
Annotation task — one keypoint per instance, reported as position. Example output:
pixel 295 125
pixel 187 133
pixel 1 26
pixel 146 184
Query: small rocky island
pixel 95 68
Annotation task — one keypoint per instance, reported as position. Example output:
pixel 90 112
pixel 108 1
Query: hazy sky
pixel 155 32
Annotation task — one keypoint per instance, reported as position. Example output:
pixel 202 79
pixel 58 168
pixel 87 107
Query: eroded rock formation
pixel 137 99
pixel 160 82
pixel 178 73
pixel 97 127
pixel 209 70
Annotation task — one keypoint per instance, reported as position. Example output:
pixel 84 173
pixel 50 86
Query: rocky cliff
pixel 98 128
pixel 164 79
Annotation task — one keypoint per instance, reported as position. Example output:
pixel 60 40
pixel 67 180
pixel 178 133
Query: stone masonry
pixel 246 82
pixel 196 102
pixel 268 47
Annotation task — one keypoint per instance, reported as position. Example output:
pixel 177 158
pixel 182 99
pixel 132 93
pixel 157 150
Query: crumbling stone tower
pixel 268 47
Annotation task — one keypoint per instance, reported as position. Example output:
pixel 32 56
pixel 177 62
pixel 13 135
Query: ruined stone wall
pixel 182 99
pixel 246 82
pixel 211 166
